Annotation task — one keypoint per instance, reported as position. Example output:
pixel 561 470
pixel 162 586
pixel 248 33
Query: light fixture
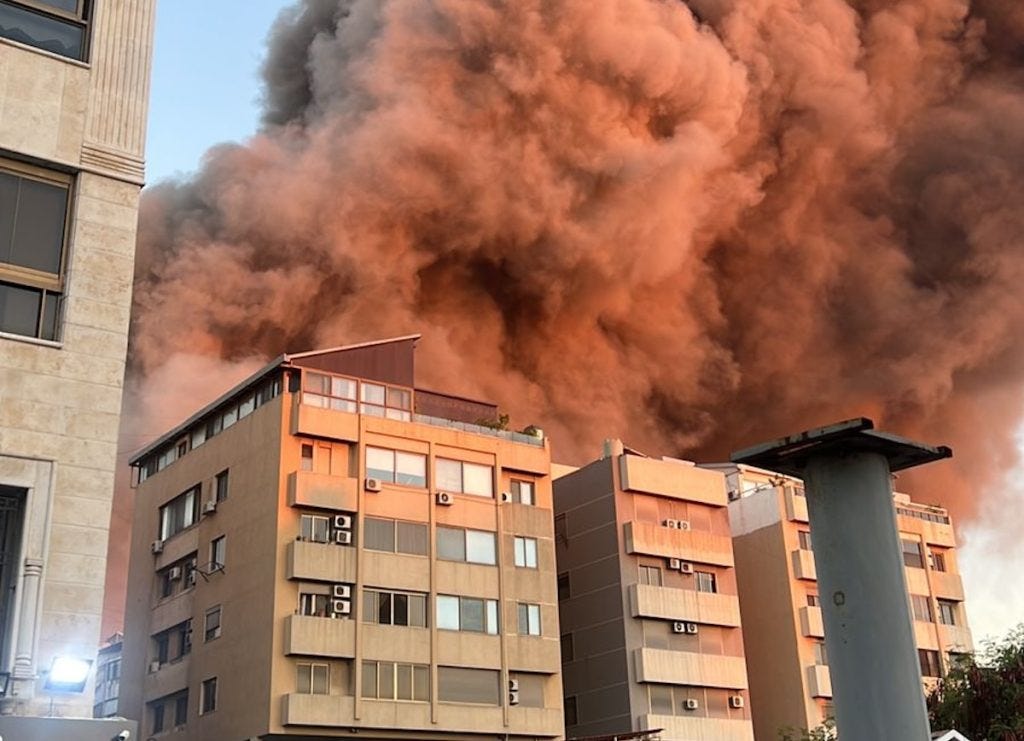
pixel 68 674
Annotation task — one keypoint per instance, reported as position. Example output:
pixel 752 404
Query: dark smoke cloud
pixel 695 229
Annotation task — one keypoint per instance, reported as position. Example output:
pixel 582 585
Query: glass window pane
pixel 412 538
pixel 471 615
pixel 386 681
pixel 447 475
pixel 411 469
pixel 370 602
pixel 303 684
pixel 421 683
pixel 480 547
pixel 404 681
pixel 531 690
pixel 477 479
pixel 451 544
pixel 384 608
pixel 321 679
pixel 343 388
pixel 373 394
pixel 661 699
pixel 401 609
pixel 19 309
pixel 51 316
pixel 534 615
pixel 380 464
pixel 531 553
pixel 399 398
pixel 479 686
pixel 524 618
pixel 8 208
pixel 447 612
pixel 519 548
pixel 43 32
pixel 379 535
pixel 369 679
pixel 317 383
pixel 39 230
pixel 492 617
pixel 418 610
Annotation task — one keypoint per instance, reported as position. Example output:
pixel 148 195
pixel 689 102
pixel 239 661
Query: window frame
pixel 921 608
pixel 644 573
pixel 516 487
pixel 465 545
pixel 391 475
pixel 912 559
pixel 532 613
pixel 220 544
pixel 947 612
pixel 215 630
pixel 391 594
pixel 312 667
pixel 314 520
pixel 524 551
pixel 700 577
pixel 166 526
pixel 441 461
pixel 221 484
pixel 489 611
pixel 425 671
pixel 208 696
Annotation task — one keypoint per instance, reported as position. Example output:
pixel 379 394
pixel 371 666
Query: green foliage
pixel 982 696
pixel 501 423
pixel 825 732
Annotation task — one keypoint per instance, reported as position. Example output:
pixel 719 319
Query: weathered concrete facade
pixel 72 125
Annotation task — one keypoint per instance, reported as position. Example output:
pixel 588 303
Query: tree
pixel 825 732
pixel 982 696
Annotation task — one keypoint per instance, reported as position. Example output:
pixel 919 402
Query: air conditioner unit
pixel 683 524
pixel 691 628
pixel 734 495
pixel 513 697
pixel 209 507
pixel 154 667
pixel 674 524
pixel 675 564
pixel 678 627
pixel 513 685
pixel 157 547
pixel 690 704
pixel 506 497
pixel 372 484
pixel 445 498
pixel 174 573
pixel 736 701
pixel 341 607
pixel 341 591
pixel 190 580
pixel 343 537
pixel 343 522
pixel 686 567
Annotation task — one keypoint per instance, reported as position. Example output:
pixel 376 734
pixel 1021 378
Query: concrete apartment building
pixel 783 634
pixel 648 600
pixel 74 79
pixel 328 551
pixel 108 678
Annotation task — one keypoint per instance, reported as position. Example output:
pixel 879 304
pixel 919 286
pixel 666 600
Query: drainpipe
pixel 869 635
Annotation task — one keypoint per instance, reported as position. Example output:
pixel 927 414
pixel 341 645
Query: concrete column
pixel 24 666
pixel 869 634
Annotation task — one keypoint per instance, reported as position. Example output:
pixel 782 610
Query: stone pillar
pixel 24 663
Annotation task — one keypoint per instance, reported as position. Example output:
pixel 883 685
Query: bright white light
pixel 70 673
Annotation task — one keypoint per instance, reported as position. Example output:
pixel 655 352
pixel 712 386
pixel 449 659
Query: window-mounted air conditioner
pixel 341 591
pixel 513 697
pixel 343 537
pixel 506 497
pixel 690 704
pixel 445 498
pixel 513 685
pixel 154 667
pixel 372 484
pixel 686 567
pixel 683 524
pixel 174 573
pixel 157 546
pixel 343 522
pixel 675 564
pixel 341 607
pixel 736 701
pixel 691 628
pixel 678 627
pixel 209 507
pixel 673 524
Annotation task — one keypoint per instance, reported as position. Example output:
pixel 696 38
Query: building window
pixel 572 717
pixel 522 492
pixel 378 400
pixel 218 553
pixel 929 662
pixel 706 581
pixel 820 656
pixel 471 546
pixel 312 678
pixel 166 708
pixel 938 561
pixel 460 477
pixel 529 619
pixel 813 600
pixel 568 649
pixel 307 457
pixel 562 529
pixel 395 536
pixel 315 528
pixel 467 614
pixel 525 552
pixel 650 575
pixel 179 513
pixel 212 624
pixel 396 466
pixel 221 485
pixel 387 680
pixel 349 395
pixel 394 608
pixel 329 392
pixel 947 612
pixel 173 644
pixel 564 588
pixel 912 554
pixel 57 26
pixel 177 577
pixel 473 686
pixel 804 538
pixel 922 608
pixel 315 605
pixel 531 689
pixel 208 697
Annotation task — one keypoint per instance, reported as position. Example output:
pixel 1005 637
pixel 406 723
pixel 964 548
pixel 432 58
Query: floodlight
pixel 68 674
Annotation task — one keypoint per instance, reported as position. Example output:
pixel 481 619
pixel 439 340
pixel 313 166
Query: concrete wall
pixel 61 400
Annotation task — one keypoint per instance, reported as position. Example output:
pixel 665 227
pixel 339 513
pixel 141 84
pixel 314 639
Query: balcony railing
pixel 819 681
pixel 668 603
pixel 510 435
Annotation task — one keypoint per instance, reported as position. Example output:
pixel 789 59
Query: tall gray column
pixel 24 664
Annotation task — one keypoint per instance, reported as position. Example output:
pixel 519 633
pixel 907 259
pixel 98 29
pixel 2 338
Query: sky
pixel 206 90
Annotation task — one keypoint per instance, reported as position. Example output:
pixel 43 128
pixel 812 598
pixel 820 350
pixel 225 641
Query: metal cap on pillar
pixel 869 634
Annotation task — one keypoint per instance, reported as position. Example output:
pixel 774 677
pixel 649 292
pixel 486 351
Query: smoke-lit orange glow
pixel 693 226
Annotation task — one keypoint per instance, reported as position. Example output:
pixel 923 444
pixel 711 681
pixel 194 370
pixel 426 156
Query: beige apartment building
pixel 74 79
pixel 328 551
pixel 783 634
pixel 648 600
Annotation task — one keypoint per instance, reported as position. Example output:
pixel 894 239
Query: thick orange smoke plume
pixel 695 226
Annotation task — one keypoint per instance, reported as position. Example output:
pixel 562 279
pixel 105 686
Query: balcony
pixel 320 562
pixel 819 682
pixel 684 667
pixel 672 479
pixel 689 545
pixel 956 638
pixel 525 721
pixel 811 624
pixel 706 729
pixel 803 565
pixel 533 654
pixel 306 635
pixel 308 489
pixel 167 679
pixel 326 423
pixel 947 585
pixel 463 648
pixel 796 506
pixel 667 603
pixel 317 710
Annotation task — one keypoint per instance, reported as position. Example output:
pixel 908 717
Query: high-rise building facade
pixel 328 551
pixel 74 79
pixel 783 634
pixel 647 595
